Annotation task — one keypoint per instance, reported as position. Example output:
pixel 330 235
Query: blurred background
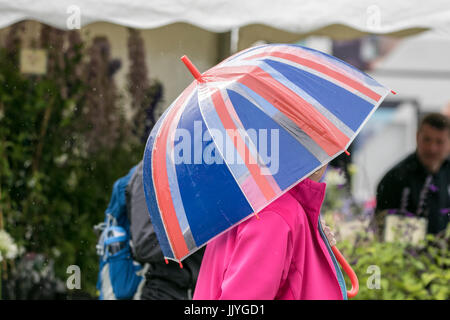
pixel 82 84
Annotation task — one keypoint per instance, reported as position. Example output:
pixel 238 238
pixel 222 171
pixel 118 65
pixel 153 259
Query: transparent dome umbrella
pixel 245 132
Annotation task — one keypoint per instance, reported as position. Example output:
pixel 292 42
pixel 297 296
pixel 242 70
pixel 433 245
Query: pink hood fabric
pixel 279 256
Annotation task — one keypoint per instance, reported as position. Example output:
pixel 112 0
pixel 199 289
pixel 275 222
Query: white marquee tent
pixel 294 16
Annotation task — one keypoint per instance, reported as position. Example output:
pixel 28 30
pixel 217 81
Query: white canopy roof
pixel 296 16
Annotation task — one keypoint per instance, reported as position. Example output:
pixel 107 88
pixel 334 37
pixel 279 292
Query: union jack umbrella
pixel 243 133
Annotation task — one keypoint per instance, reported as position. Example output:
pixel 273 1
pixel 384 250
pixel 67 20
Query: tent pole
pixel 234 40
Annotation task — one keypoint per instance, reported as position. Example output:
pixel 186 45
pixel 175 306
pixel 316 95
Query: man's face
pixel 433 146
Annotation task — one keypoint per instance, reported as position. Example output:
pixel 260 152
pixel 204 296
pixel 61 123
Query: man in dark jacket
pixel 163 281
pixel 420 184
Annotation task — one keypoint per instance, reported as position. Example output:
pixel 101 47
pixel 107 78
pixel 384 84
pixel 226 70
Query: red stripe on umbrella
pixel 323 69
pixel 301 112
pixel 253 168
pixel 161 181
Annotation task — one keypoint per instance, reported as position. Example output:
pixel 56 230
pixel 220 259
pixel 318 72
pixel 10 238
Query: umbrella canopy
pixel 245 132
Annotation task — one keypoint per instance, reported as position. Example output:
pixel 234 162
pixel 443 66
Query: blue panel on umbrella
pixel 348 107
pixel 204 186
pixel 294 160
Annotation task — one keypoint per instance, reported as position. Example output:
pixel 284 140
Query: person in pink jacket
pixel 282 254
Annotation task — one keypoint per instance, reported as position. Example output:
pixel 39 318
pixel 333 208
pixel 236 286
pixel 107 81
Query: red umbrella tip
pixel 181 265
pixel 167 261
pixel 197 75
pixel 347 153
pixel 393 92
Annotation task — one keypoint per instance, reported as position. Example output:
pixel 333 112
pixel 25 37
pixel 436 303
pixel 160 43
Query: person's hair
pixel 436 120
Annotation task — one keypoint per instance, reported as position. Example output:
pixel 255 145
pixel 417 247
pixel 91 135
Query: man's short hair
pixel 436 120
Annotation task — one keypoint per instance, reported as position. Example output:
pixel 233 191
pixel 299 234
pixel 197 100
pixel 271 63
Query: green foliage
pixel 406 272
pixel 52 192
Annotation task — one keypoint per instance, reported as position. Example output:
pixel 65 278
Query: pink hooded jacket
pixel 282 255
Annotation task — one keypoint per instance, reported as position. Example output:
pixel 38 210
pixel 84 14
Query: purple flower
pixel 445 211
pixel 433 188
pixel 413 253
pixel 392 211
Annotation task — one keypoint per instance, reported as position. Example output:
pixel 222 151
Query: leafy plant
pixel 405 271
pixel 386 270
pixel 61 149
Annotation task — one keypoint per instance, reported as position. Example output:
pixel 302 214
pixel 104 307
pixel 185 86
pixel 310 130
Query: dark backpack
pixel 145 244
pixel 164 281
